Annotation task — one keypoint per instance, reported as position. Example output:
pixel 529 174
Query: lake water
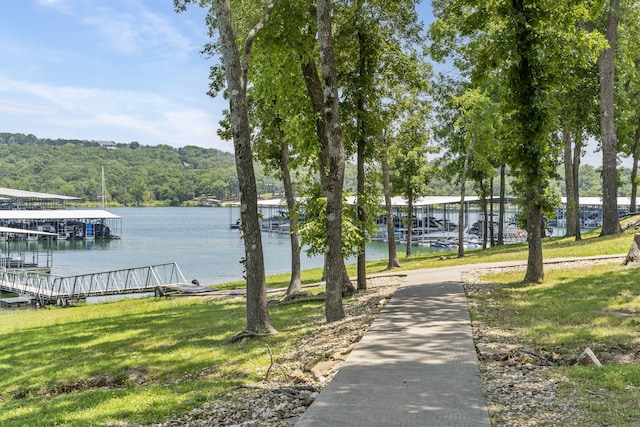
pixel 199 240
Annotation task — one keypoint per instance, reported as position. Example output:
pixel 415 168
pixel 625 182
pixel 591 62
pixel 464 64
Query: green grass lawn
pixel 141 361
pixel 595 306
pixel 134 360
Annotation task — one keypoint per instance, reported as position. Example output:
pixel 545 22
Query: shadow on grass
pixel 585 307
pixel 164 340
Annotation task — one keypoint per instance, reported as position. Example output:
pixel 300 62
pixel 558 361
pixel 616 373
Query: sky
pixel 116 70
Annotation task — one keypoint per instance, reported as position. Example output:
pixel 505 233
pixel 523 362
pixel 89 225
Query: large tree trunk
pixel 634 171
pixel 577 154
pixel 409 223
pixel 362 142
pixel 295 284
pixel 236 74
pixel 501 218
pixel 386 185
pixel 531 117
pixel 335 263
pixel 571 211
pixel 535 265
pixel 362 214
pixel 610 219
pixel 314 89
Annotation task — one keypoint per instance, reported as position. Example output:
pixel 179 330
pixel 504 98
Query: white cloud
pixel 122 116
pixel 122 70
pixel 62 6
pixel 127 27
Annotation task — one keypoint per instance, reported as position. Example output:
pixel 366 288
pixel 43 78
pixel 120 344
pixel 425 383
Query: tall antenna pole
pixel 103 196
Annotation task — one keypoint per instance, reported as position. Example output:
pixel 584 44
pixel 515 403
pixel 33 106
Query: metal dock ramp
pixel 48 289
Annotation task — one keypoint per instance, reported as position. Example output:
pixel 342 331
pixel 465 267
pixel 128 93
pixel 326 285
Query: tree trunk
pixel 463 183
pixel 531 118
pixel 409 223
pixel 535 265
pixel 461 214
pixel 485 223
pixel 571 211
pixel 314 89
pixel 492 239
pixel 501 218
pixel 236 74
pixel 391 235
pixel 362 215
pixel 295 284
pixel 362 142
pixel 335 263
pixel 634 170
pixel 606 69
pixel 634 251
pixel 577 154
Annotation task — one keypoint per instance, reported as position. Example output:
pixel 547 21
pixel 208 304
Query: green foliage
pixel 312 229
pixel 410 170
pixel 135 174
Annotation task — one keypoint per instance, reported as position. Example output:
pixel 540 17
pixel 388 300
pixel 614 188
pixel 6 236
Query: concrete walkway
pixel 415 366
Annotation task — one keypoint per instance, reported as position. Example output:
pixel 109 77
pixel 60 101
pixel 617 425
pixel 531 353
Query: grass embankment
pixel 135 360
pixel 141 361
pixel 595 306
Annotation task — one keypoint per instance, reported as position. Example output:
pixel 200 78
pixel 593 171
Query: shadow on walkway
pixel 415 366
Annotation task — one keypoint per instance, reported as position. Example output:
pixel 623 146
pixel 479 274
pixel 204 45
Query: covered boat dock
pixel 590 211
pixel 16 253
pixel 52 213
pixel 66 224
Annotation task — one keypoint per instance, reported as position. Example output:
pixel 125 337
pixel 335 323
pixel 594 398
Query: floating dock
pixel 16 302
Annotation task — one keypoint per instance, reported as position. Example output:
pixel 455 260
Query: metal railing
pixel 47 288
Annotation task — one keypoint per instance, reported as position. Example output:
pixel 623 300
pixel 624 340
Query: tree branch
pixel 246 52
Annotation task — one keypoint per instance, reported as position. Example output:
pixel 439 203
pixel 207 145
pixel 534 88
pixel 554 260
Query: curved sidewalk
pixel 415 366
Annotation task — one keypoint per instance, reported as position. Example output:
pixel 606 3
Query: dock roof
pixel 21 194
pixel 400 201
pixel 21 231
pixel 597 201
pixel 57 214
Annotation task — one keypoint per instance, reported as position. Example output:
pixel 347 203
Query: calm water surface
pixel 199 240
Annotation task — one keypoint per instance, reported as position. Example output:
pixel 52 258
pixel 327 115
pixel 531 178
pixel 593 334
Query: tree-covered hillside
pixel 135 174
